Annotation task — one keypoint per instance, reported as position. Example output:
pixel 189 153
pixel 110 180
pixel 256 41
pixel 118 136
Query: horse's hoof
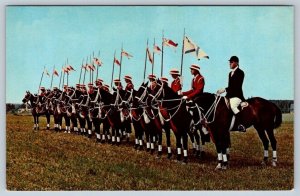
pixel 48 128
pixel 152 151
pixel 148 149
pixel 219 167
pixel 185 161
pixel 263 163
pixel 224 167
pixel 169 155
pixel 274 164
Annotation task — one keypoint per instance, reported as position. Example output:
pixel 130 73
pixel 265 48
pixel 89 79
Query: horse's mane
pixel 205 100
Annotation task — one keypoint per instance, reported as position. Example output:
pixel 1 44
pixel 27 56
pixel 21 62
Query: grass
pixel 46 160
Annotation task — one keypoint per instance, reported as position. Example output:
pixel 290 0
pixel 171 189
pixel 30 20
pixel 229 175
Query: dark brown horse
pixel 260 113
pixel 38 108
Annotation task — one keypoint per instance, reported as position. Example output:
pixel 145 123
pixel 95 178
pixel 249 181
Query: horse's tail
pixel 278 117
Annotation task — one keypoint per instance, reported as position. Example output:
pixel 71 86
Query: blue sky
pixel 261 36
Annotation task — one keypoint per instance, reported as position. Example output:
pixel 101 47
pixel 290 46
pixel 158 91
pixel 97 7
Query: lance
pixel 112 75
pixel 121 62
pixel 90 69
pixel 52 77
pixel 80 71
pixel 153 56
pixel 85 69
pixel 162 54
pixel 41 80
pixel 98 65
pixel 63 78
pixel 67 74
pixel 145 62
pixel 61 73
pixel 182 52
pixel 93 67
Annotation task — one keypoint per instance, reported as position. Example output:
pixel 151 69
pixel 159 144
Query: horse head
pixel 26 97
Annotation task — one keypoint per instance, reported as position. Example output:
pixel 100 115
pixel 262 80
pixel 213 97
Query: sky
pixel 47 36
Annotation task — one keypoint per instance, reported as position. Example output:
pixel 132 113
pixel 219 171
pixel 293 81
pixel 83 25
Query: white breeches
pixel 234 103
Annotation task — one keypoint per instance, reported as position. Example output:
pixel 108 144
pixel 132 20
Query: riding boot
pixel 238 122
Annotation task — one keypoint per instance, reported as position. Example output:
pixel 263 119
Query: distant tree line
pixel 286 106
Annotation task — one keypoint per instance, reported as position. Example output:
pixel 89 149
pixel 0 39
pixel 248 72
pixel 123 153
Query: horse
pixel 151 121
pixel 192 131
pixel 173 109
pixel 38 109
pixel 260 113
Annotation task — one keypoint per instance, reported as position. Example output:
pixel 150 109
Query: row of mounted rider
pixel 159 107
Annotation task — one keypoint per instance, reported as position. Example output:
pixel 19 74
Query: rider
pixel 106 87
pixel 128 80
pixel 99 83
pixel 118 84
pixel 234 91
pixel 197 84
pixel 42 95
pixel 176 84
pixel 152 79
pixel 164 80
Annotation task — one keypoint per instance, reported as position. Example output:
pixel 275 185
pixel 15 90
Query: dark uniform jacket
pixel 235 83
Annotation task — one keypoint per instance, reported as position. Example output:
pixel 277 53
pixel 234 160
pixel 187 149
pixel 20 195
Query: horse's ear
pixel 146 84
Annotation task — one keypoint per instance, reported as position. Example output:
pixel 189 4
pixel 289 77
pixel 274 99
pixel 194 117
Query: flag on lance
pixel 150 57
pixel 46 72
pixel 65 69
pixel 124 53
pixel 117 61
pixel 55 72
pixel 91 67
pixel 70 68
pixel 98 62
pixel 156 49
pixel 191 47
pixel 169 43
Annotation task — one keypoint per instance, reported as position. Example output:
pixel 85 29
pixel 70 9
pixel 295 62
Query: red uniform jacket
pixel 120 87
pixel 129 87
pixel 176 85
pixel 197 87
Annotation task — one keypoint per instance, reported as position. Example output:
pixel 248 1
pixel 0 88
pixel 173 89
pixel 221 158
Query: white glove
pixel 220 91
pixel 184 97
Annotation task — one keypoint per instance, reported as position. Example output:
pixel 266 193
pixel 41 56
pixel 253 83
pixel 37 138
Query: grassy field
pixel 46 160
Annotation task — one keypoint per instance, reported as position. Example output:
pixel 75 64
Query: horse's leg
pixel 198 145
pixel 89 126
pixel 136 134
pixel 168 138
pixel 220 157
pixel 74 123
pixel 96 123
pixel 68 123
pixel 37 122
pixel 191 135
pixel 113 133
pixel 105 131
pixel 34 121
pixel 273 141
pixel 178 146
pixel 185 146
pixel 128 129
pixel 48 120
pixel 265 141
pixel 147 134
pixel 159 144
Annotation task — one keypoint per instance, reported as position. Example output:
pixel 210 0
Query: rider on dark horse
pixel 234 91
pixel 176 85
